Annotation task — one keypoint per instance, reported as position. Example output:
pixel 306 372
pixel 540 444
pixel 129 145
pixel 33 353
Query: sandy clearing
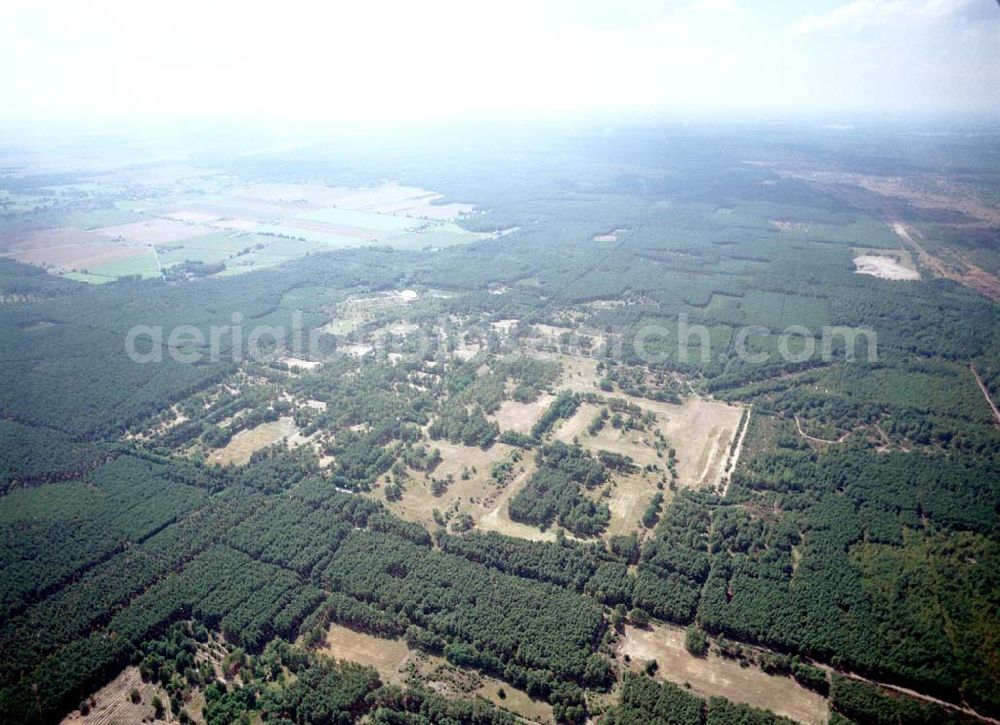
pixel 520 417
pixel 884 267
pixel 295 362
pixel 242 445
pixel 714 675
pixel 629 497
pixel 396 663
pixel 498 519
pixel 388 656
pixel 476 495
pixel 576 426
pixel 611 236
pixel 734 457
pixel 700 431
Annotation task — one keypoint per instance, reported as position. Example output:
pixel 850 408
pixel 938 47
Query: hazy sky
pixel 359 59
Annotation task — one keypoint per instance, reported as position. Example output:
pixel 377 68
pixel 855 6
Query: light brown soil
pixel 398 664
pixel 476 495
pixel 520 417
pixel 700 430
pixel 69 249
pixel 884 268
pixel 714 675
pixel 243 444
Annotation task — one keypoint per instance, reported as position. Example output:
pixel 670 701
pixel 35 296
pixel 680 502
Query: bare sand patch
pixel 611 236
pixel 714 675
pixel 296 362
pixel 884 267
pixel 475 495
pixel 629 497
pixel 628 494
pixel 576 427
pixel 504 326
pixel 398 664
pixel 700 430
pixel 520 417
pixel 358 350
pixel 242 445
pixel 498 518
pixel 386 655
pixel 789 226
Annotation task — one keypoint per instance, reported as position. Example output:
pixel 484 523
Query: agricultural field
pixel 213 228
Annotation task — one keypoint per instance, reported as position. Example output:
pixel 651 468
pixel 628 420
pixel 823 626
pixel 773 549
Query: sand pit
pixel 884 268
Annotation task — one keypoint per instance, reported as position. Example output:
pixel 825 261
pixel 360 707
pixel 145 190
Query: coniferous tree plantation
pixel 578 425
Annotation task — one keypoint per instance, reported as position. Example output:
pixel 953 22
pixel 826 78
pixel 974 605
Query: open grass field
pixel 476 495
pixel 715 675
pixel 498 519
pixel 398 664
pixel 700 430
pixel 388 656
pixel 238 451
pixel 519 417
